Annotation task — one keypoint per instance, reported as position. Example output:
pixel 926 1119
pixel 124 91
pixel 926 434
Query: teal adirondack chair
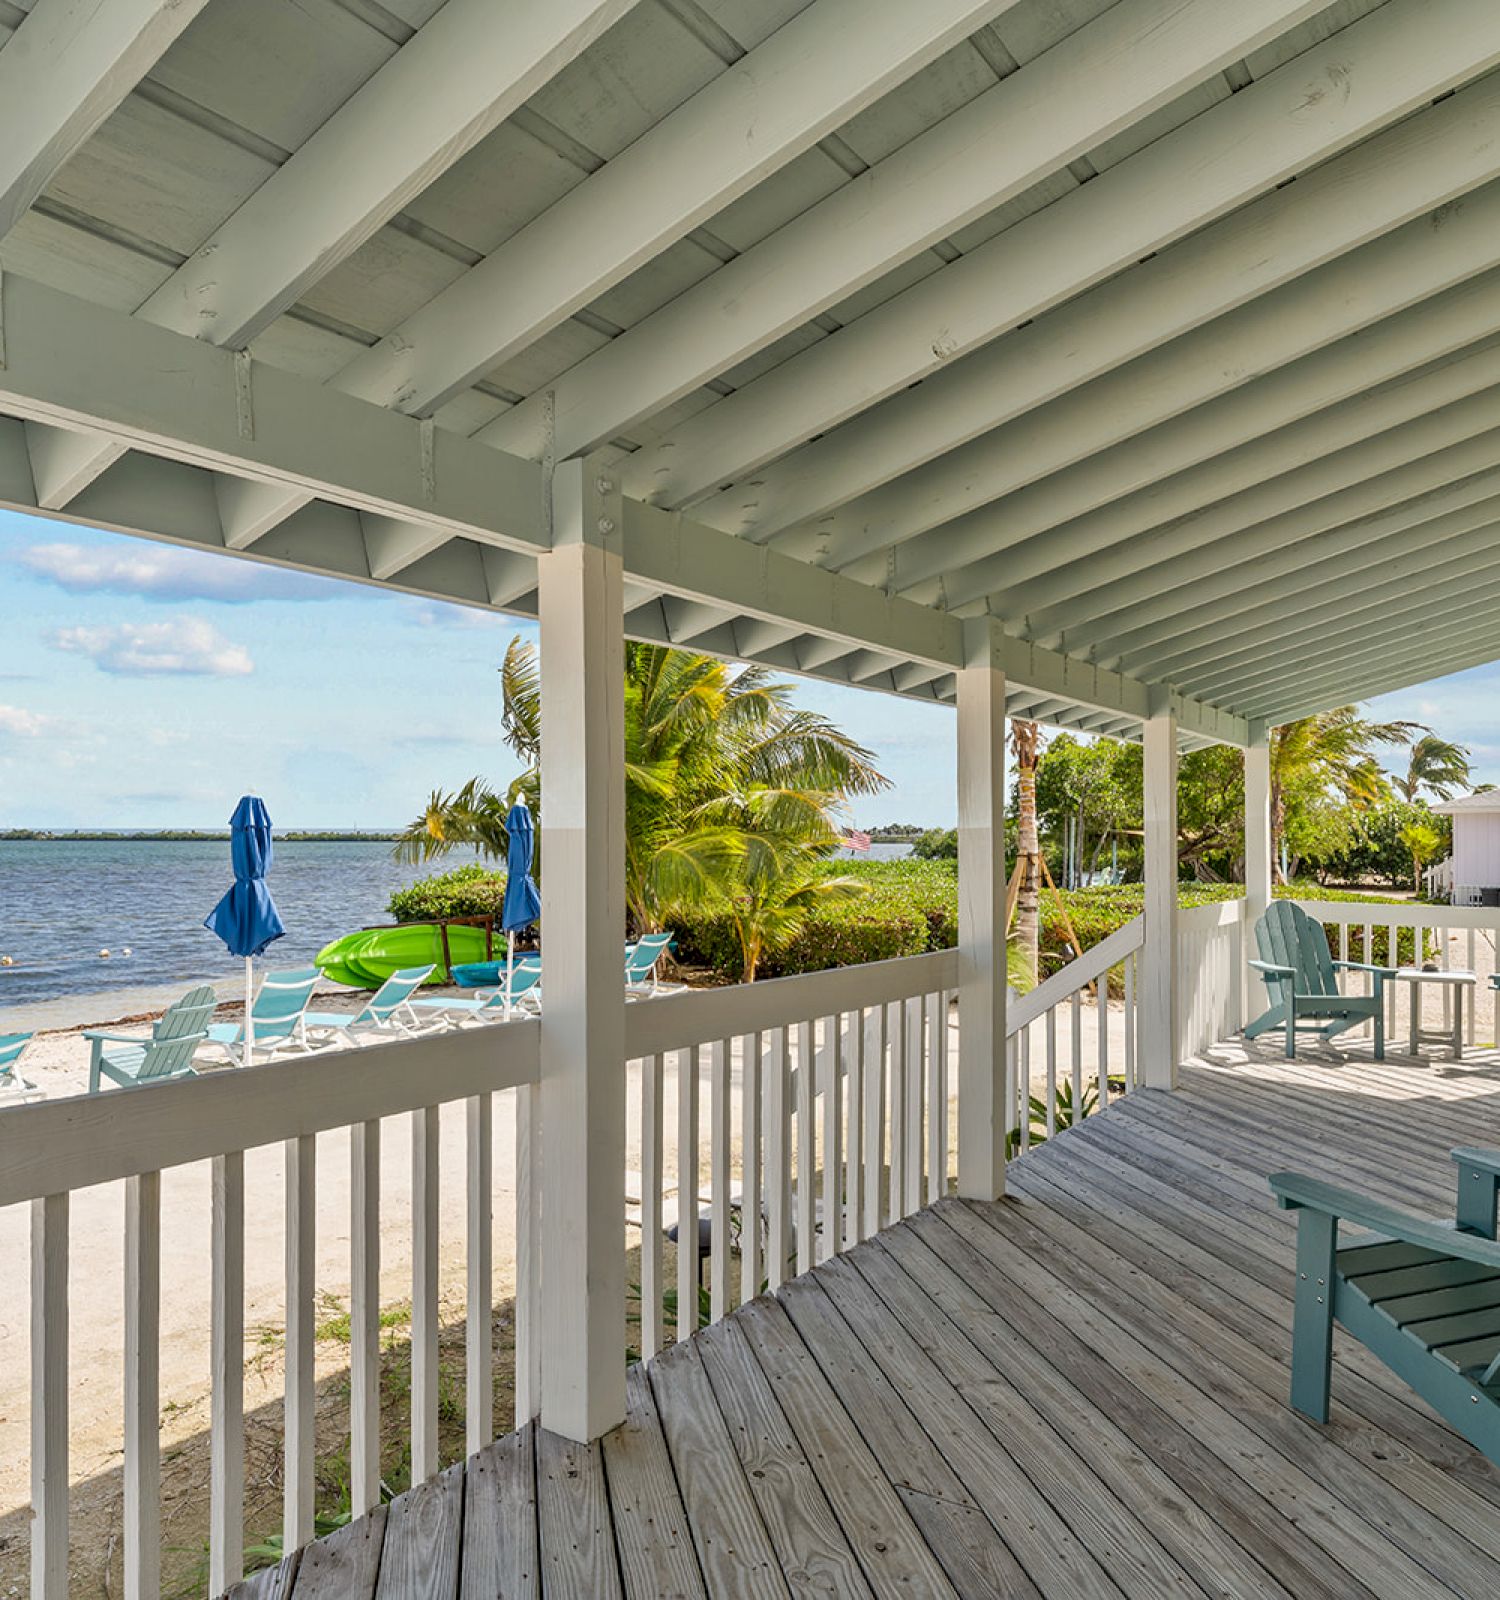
pixel 12 1085
pixel 1301 979
pixel 1421 1295
pixel 278 1015
pixel 386 1014
pixel 130 1061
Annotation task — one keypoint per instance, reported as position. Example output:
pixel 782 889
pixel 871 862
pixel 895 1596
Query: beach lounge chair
pixel 132 1062
pixel 278 1015
pixel 1418 1294
pixel 1301 978
pixel 12 1085
pixel 642 963
pixel 386 1014
pixel 519 992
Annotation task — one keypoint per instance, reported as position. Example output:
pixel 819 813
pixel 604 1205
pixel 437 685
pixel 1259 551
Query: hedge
pixel 472 891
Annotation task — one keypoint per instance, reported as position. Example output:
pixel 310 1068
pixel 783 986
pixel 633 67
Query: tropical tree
pixel 1422 842
pixel 1438 765
pixel 1324 773
pixel 731 792
pixel 1025 743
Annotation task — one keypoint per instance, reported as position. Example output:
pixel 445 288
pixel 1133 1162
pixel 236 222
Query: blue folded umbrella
pixel 523 900
pixel 246 919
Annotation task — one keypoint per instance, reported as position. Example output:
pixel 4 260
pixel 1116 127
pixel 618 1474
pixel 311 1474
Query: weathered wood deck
pixel 1079 1392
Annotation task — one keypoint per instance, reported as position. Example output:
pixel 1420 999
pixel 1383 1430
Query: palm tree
pixel 1025 743
pixel 1437 765
pixel 730 792
pixel 1328 756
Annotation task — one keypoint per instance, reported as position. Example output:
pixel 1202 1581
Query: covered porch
pixel 1076 1391
pixel 1130 366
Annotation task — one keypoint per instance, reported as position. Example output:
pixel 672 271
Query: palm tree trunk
pixel 1028 895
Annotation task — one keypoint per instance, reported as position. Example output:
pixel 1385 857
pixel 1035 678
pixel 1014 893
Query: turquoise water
pixel 62 901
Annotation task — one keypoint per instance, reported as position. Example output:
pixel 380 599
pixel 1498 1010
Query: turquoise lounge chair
pixel 642 960
pixel 1303 985
pixel 388 1012
pixel 1421 1295
pixel 278 1015
pixel 520 992
pixel 131 1061
pixel 12 1085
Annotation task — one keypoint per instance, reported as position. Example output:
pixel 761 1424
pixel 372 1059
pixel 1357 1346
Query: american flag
pixel 856 841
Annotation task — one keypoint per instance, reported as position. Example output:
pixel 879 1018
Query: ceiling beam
pixel 64 463
pixel 1323 591
pixel 1294 465
pixel 459 76
pixel 1104 77
pixel 62 72
pixel 1457 476
pixel 75 364
pixel 1140 206
pixel 812 74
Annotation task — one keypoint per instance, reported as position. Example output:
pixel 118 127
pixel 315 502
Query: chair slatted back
pixel 283 996
pixel 182 1028
pixel 394 993
pixel 11 1046
pixel 1288 937
pixel 643 955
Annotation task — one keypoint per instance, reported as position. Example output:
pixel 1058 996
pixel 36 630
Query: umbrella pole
pixel 249 1014
pixel 510 967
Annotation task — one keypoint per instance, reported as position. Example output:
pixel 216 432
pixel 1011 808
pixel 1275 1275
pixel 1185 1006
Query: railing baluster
pixel 479 1295
pixel 364 1317
pixel 915 1081
pixel 1474 995
pixel 832 1087
pixel 424 1294
pixel 1023 1088
pixel 1051 1037
pixel 226 1517
pixel 688 1063
pixel 896 1034
pixel 142 1511
pixel 778 1162
pixel 936 1007
pixel 854 1138
pixel 807 1133
pixel 1077 1056
pixel 1130 1021
pixel 49 1397
pixel 528 1253
pixel 874 1118
pixel 1101 1041
pixel 719 1125
pixel 299 1485
pixel 750 1171
pixel 653 1128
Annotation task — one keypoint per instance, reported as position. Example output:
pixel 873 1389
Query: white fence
pixel 1210 974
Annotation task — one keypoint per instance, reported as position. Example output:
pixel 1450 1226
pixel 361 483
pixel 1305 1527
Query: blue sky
pixel 142 685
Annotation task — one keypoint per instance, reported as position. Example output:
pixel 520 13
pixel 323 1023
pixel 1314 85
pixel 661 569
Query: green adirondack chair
pixel 1302 982
pixel 130 1061
pixel 1423 1296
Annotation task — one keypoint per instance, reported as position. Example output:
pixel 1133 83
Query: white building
pixel 1471 874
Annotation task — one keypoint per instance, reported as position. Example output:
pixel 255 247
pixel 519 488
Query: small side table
pixel 1462 983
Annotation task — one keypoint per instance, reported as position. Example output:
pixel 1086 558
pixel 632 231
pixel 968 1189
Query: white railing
pixel 49 1150
pixel 1456 938
pixel 1065 1089
pixel 828 1118
pixel 1210 974
pixel 1438 878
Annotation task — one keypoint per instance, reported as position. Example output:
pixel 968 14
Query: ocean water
pixel 62 901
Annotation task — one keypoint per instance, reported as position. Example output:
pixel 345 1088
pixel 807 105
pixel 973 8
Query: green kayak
pixel 364 960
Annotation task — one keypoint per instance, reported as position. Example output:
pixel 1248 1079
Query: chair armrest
pixel 1273 969
pixel 117 1038
pixel 1477 1207
pixel 1365 966
pixel 1294 1189
pixel 1486 1160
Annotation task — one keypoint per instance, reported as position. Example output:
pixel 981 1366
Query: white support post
pixel 1159 1023
pixel 981 921
pixel 581 610
pixel 1257 863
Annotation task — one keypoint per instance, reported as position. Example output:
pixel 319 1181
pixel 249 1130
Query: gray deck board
pixel 1079 1392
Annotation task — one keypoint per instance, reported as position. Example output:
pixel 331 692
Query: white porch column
pixel 1257 862
pixel 582 1089
pixel 981 923
pixel 1159 1026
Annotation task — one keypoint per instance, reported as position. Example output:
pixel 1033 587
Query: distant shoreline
pixel 182 836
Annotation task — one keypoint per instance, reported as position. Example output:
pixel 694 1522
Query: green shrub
pixel 472 891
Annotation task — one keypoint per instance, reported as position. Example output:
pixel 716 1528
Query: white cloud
pixel 20 722
pixel 188 647
pixel 162 572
